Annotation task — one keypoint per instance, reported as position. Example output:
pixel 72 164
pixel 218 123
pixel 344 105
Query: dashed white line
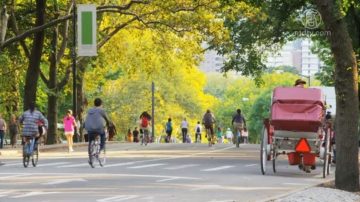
pixel 181 166
pixel 217 168
pixel 74 165
pixel 118 198
pixel 52 164
pixel 34 193
pixel 118 164
pixel 249 165
pixel 147 166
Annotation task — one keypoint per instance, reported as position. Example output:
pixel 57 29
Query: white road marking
pixel 74 165
pixel 13 176
pixel 34 193
pixel 12 164
pixel 217 168
pixel 118 164
pixel 118 198
pixel 220 187
pixel 249 165
pixel 5 193
pixel 61 181
pixel 147 166
pixel 52 164
pixel 296 184
pixel 181 166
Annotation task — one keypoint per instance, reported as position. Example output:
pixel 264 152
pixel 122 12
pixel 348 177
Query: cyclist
pixel 31 120
pixel 145 119
pixel 239 123
pixel 95 123
pixel 209 121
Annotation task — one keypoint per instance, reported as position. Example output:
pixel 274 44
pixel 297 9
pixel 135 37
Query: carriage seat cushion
pixel 298 95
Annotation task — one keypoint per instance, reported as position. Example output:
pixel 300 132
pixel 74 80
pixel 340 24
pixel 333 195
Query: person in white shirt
pixel 198 132
pixel 245 136
pixel 184 129
pixel 229 135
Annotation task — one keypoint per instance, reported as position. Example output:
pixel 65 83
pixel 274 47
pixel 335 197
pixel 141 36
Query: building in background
pixel 296 54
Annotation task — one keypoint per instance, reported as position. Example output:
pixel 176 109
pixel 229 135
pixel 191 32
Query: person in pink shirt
pixel 69 128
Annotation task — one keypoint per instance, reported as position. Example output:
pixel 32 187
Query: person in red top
pixel 69 128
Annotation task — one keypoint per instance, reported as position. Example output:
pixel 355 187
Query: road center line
pixel 217 168
pixel 181 167
pixel 147 166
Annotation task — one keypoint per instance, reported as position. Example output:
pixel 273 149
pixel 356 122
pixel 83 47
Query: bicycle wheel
pixel 101 157
pixel 92 154
pixel 35 156
pixel 26 157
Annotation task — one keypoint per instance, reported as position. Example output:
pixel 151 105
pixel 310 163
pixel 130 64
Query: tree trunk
pixel 53 91
pixel 81 100
pixel 33 71
pixel 346 86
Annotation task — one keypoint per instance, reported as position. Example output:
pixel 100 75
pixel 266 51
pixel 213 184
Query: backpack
pixel 168 126
pixel 208 119
pixel 144 122
pixel 198 129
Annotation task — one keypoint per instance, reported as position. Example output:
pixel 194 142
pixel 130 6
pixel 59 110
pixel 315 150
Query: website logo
pixel 311 19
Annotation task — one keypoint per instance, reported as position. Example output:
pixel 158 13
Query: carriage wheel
pixel 327 155
pixel 263 150
pixel 274 159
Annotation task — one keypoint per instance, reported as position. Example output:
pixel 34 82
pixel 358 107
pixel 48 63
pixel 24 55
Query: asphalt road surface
pixel 157 172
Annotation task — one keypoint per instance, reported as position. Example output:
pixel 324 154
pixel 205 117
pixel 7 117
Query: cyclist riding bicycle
pixel 31 120
pixel 209 121
pixel 95 123
pixel 238 122
pixel 145 119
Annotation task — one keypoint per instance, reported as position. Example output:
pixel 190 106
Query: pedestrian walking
pixel 245 136
pixel 168 129
pixel 229 135
pixel 14 129
pixel 184 129
pixel 129 135
pixel 2 131
pixel 198 132
pixel 112 131
pixel 136 134
pixel 69 129
pixel 219 135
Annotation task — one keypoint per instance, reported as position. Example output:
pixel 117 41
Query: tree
pixel 177 17
pixel 252 36
pixel 346 86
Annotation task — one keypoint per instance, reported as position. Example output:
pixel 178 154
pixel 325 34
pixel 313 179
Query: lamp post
pixel 152 110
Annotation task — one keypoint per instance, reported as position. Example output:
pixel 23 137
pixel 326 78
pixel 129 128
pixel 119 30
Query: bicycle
pixel 145 140
pixel 238 137
pixel 30 150
pixel 95 153
pixel 210 137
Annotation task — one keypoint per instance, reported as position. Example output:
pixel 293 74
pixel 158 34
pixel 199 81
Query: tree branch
pixel 44 79
pixel 16 31
pixel 64 35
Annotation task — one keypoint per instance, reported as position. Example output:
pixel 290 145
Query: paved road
pixel 157 172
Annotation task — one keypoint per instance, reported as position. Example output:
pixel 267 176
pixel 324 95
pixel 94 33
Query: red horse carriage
pixel 297 128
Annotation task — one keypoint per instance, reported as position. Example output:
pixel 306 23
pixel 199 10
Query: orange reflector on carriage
pixel 303 146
